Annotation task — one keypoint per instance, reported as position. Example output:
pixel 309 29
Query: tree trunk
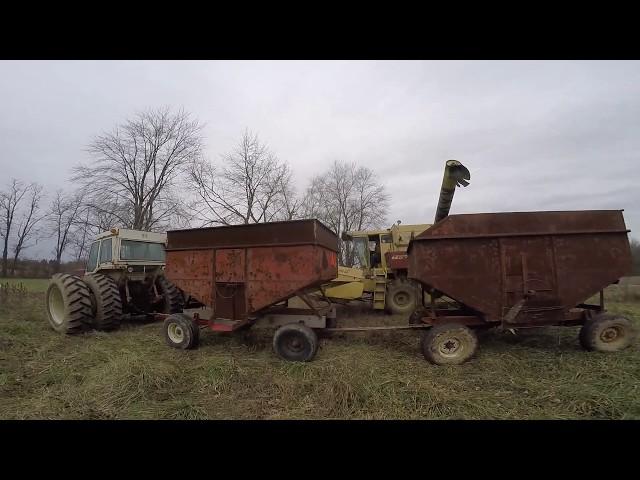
pixel 5 253
pixel 13 265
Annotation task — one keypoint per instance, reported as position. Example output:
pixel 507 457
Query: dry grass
pixel 132 374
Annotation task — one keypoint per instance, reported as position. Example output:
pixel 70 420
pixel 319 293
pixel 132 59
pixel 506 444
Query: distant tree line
pixel 151 173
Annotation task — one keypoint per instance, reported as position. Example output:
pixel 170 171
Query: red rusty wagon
pixel 519 270
pixel 236 276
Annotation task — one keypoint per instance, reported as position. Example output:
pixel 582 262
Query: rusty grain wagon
pixel 237 276
pixel 519 270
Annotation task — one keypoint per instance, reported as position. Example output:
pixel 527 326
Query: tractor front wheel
pixel 173 301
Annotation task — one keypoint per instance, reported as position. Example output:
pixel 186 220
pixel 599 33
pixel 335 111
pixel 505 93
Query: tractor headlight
pixel 130 269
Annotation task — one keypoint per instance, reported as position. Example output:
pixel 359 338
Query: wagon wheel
pixel 295 342
pixel 449 344
pixel 606 333
pixel 181 332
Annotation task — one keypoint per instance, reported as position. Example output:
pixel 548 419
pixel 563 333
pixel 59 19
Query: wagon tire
pixel 106 301
pixel 181 332
pixel 173 300
pixel 401 296
pixel 607 333
pixel 295 342
pixel 68 304
pixel 449 344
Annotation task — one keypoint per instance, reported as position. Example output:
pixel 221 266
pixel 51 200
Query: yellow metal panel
pixel 346 291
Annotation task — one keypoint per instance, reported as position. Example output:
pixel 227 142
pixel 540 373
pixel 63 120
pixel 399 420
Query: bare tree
pixel 9 201
pixel 136 166
pixel 30 218
pixel 82 233
pixel 346 198
pixel 61 218
pixel 251 186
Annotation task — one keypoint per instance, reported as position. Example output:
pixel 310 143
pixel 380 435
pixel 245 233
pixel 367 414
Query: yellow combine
pixel 382 256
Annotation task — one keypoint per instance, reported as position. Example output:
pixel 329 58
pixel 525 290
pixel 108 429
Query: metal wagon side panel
pixel 468 271
pixel 277 273
pixel 192 272
pixel 528 267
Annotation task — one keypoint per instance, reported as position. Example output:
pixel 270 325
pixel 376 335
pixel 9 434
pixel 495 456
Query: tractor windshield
pixel 133 250
pixel 361 246
pixel 92 263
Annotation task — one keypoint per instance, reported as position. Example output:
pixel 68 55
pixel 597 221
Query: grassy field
pixel 133 374
pixel 30 284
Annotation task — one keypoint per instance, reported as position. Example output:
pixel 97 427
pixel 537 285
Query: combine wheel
pixel 401 296
pixel 181 332
pixel 295 342
pixel 173 299
pixel 68 304
pixel 449 344
pixel 606 333
pixel 107 303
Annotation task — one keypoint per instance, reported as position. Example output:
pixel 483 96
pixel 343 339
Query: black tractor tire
pixel 295 342
pixel 607 333
pixel 173 298
pixel 449 344
pixel 181 332
pixel 68 304
pixel 106 300
pixel 401 297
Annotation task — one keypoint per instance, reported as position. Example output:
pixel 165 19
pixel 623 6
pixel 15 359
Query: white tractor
pixel 124 276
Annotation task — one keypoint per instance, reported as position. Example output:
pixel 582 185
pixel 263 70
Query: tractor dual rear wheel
pixel 68 304
pixel 181 332
pixel 606 333
pixel 106 300
pixel 449 344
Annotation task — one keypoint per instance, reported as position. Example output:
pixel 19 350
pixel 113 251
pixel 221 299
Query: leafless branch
pixel 346 198
pixel 251 186
pixel 135 166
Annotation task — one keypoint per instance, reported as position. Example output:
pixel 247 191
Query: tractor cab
pixel 124 249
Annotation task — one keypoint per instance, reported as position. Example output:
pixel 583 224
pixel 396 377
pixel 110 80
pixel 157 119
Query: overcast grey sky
pixel 536 135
